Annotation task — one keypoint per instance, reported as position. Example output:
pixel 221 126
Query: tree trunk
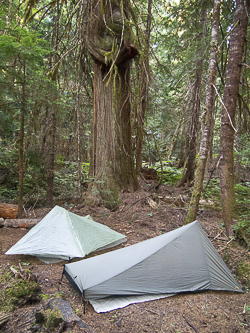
pixel 174 138
pixel 79 168
pixel 112 166
pixel 50 156
pixel 189 176
pixel 238 145
pixel 21 147
pixel 144 93
pixel 231 89
pixel 206 131
pixel 51 134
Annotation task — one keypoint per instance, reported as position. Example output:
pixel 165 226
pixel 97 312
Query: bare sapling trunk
pixel 21 147
pixel 206 130
pixel 50 157
pixel 231 89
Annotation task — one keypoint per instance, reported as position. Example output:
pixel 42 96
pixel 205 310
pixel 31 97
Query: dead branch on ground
pixel 191 325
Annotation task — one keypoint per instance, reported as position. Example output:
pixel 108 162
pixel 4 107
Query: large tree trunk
pixel 108 39
pixel 231 89
pixel 206 131
pixel 112 165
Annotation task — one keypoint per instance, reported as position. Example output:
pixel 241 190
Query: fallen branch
pixel 118 322
pixel 4 318
pixel 192 326
pixel 26 322
pixel 223 248
pixel 23 274
pixel 218 235
pixel 15 272
pixel 152 311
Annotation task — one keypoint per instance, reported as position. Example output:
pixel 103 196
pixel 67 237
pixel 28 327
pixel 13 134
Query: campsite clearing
pixel 138 220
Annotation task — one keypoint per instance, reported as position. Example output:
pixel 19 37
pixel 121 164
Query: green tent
pixel 183 260
pixel 62 235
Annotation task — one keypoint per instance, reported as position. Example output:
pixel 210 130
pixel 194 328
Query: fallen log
pixel 4 318
pixel 8 211
pixel 19 223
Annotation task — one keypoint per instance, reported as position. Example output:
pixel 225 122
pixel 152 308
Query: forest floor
pixel 141 216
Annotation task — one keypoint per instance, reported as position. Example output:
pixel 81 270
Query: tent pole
pixel 84 303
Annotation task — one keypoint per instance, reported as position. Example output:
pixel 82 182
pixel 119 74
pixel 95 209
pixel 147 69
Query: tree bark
pixel 238 145
pixel 109 41
pixel 50 156
pixel 21 148
pixel 206 131
pixel 144 93
pixel 231 89
pixel 51 133
pixel 174 138
pixel 112 165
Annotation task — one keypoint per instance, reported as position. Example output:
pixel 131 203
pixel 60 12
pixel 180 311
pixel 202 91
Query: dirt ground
pixel 141 216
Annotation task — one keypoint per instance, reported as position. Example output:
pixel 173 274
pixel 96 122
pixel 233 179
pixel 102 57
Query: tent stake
pixel 62 273
pixel 84 303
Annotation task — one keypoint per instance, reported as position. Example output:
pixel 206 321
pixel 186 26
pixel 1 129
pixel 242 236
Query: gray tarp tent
pixel 183 260
pixel 62 235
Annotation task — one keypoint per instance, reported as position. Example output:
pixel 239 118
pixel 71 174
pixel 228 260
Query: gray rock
pixel 67 313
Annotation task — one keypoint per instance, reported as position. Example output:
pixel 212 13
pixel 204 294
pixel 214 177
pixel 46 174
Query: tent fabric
pixel 183 260
pixel 112 303
pixel 62 235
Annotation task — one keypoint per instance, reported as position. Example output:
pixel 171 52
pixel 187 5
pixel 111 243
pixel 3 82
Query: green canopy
pixel 62 235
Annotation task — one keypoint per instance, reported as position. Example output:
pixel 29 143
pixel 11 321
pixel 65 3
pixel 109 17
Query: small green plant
pixel 54 318
pixel 212 190
pixel 243 224
pixel 57 294
pixel 44 297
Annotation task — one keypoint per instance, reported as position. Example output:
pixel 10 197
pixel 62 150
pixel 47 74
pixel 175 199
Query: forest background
pixel 92 92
